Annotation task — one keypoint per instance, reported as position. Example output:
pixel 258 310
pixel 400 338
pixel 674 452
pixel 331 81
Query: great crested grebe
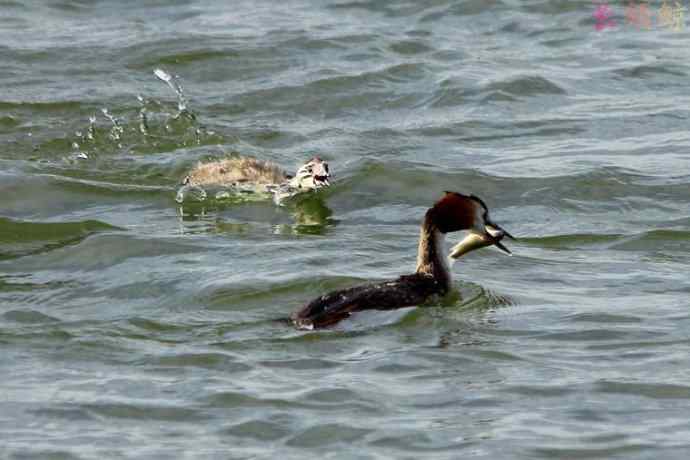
pixel 453 212
pixel 249 175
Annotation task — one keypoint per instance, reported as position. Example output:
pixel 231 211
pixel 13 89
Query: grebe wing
pixel 335 306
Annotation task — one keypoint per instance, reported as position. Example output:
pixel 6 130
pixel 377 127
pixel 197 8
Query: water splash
pixel 116 131
pixel 149 127
pixel 175 85
pixel 143 120
pixel 91 131
pixel 78 154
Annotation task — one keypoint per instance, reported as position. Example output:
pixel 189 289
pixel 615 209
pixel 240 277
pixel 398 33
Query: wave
pixel 21 238
pixel 621 242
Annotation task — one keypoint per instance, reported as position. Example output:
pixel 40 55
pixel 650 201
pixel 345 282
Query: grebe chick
pixel 249 175
pixel 453 212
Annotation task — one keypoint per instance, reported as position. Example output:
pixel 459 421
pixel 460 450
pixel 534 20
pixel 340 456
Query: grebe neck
pixel 430 258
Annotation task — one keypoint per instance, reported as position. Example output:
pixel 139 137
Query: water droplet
pixel 175 85
pixel 143 123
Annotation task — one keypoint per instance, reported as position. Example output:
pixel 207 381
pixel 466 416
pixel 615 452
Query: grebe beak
pixel 497 233
pixel 491 236
pixel 494 228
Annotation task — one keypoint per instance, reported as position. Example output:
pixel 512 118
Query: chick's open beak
pixel 321 175
pixel 322 181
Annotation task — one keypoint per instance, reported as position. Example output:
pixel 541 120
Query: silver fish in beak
pixel 491 236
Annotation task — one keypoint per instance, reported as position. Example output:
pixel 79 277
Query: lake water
pixel 131 327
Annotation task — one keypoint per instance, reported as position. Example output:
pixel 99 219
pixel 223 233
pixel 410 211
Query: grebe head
pixel 313 174
pixel 456 211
